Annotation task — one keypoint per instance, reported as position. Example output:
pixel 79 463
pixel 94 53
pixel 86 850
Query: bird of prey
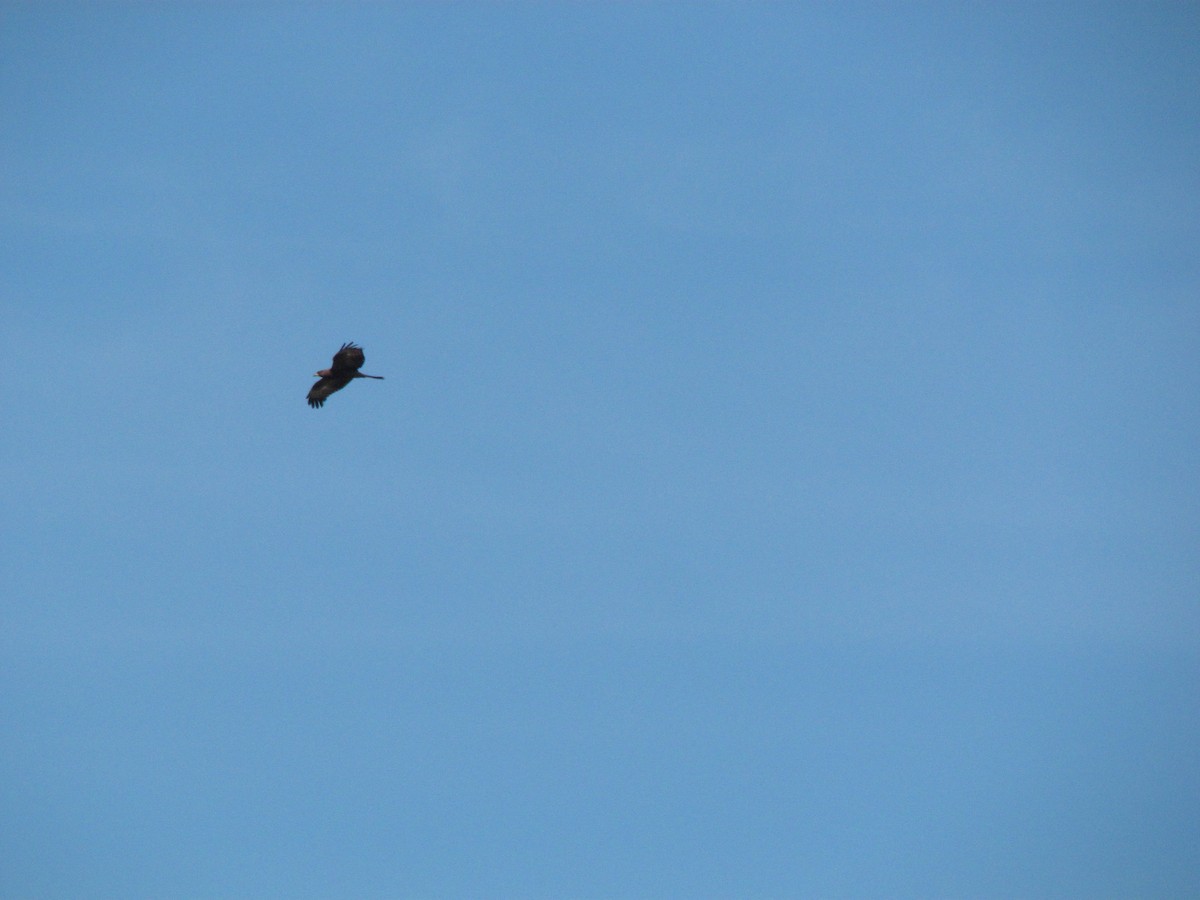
pixel 346 363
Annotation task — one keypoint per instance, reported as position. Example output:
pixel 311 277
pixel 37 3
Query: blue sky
pixel 783 484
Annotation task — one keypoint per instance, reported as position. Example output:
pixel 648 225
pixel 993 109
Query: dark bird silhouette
pixel 346 363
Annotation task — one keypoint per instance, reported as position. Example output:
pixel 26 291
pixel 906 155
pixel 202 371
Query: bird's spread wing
pixel 323 388
pixel 348 358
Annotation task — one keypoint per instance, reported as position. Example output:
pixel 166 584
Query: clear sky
pixel 784 483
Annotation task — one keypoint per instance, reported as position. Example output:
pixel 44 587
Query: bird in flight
pixel 346 363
